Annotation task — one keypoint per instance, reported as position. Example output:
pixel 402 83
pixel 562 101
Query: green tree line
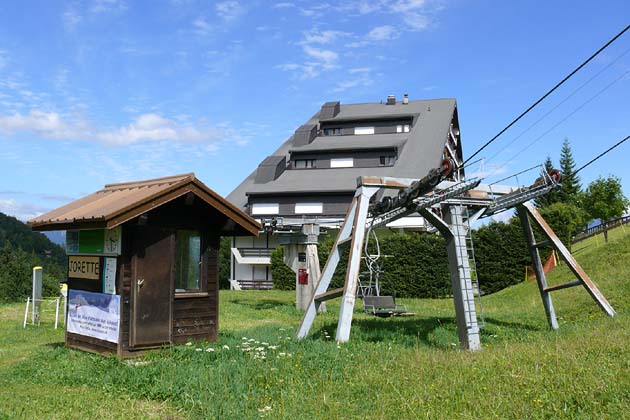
pixel 21 250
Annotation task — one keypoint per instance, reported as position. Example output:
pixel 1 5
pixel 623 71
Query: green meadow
pixel 396 368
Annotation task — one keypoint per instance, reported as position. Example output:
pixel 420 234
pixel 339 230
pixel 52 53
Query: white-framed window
pixel 304 163
pixel 309 208
pixel 342 162
pixel 404 128
pixel 363 130
pixel 265 208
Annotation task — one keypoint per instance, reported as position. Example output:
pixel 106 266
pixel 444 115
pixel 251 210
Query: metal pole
pixel 28 300
pixel 57 313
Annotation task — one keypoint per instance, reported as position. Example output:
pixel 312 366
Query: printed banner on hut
pixel 94 315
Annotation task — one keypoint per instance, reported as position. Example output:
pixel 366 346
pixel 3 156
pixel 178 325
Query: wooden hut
pixel 143 263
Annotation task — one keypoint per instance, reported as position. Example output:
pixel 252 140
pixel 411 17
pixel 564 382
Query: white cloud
pixel 103 6
pixel 146 128
pixel 326 58
pixel 402 6
pixel 323 37
pixel 202 27
pixel 71 18
pixel 417 21
pixel 382 33
pixel 20 210
pixel 361 78
pixel 318 60
pixel 229 10
pixel 283 5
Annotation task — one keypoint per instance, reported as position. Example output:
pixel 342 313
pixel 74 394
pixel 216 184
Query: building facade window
pixel 404 128
pixel 309 208
pixel 387 160
pixel 265 208
pixel 341 162
pixel 304 163
pixel 188 262
pixel 363 130
pixel 332 131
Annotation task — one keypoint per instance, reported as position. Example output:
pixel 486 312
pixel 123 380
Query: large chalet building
pixel 311 178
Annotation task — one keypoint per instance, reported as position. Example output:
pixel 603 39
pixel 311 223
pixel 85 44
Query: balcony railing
pixel 255 252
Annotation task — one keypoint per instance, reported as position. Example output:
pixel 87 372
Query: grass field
pixel 398 368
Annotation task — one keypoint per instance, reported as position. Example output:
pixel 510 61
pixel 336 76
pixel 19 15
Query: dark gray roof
pixel 423 149
pixel 370 141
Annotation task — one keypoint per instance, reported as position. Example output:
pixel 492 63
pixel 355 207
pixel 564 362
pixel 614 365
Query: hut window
pixel 188 263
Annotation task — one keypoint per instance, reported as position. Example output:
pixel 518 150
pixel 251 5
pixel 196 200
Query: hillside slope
pixel 18 234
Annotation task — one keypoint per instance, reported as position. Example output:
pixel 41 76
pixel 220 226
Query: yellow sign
pixel 80 267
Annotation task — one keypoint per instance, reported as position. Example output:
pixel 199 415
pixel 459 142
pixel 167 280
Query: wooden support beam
pixel 563 286
pixel 354 263
pixel 331 294
pixel 573 265
pixel 329 269
pixel 541 278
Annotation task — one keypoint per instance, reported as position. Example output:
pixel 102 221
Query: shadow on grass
pixel 438 332
pixel 513 325
pixel 261 303
pixel 56 345
pixel 409 331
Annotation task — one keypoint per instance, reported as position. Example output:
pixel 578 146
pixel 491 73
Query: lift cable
pixel 537 139
pixel 601 154
pixel 548 93
pixel 558 105
pixel 574 173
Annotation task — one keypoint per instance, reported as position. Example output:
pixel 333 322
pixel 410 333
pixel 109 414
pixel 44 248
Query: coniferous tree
pixel 570 189
pixel 553 195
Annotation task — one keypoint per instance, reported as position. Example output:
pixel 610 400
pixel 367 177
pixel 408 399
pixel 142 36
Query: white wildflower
pixel 189 344
pixel 226 347
pixel 209 349
pixel 198 349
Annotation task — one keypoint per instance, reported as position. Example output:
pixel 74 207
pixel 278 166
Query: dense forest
pixel 21 249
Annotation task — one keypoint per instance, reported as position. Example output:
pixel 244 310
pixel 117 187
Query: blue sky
pixel 101 91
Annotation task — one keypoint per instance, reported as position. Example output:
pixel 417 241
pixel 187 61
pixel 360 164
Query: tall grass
pixel 403 368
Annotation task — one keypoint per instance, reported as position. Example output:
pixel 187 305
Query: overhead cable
pixel 601 154
pixel 560 83
pixel 557 106
pixel 537 139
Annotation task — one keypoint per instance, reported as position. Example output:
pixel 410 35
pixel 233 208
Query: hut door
pixel 152 287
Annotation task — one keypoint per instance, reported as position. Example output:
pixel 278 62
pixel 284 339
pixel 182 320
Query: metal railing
pixel 255 252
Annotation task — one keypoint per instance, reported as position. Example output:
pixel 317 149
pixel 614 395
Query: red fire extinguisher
pixel 302 276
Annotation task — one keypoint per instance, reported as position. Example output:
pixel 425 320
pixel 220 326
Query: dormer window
pixel 304 163
pixel 363 130
pixel 332 131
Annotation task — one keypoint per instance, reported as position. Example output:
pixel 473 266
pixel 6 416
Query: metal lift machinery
pixel 450 207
